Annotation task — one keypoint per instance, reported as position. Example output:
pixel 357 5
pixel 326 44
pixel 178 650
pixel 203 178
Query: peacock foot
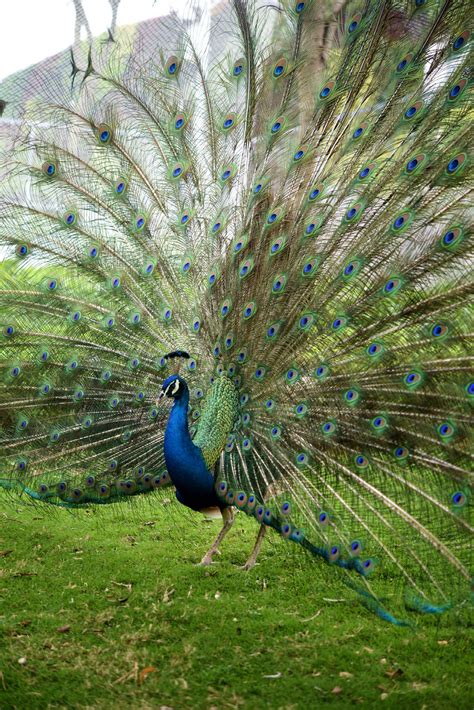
pixel 207 559
pixel 248 565
pixel 258 543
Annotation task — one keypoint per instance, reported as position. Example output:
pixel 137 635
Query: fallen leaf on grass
pixel 63 629
pixel 26 622
pixel 315 616
pixel 334 601
pixel 189 649
pixel 337 690
pixel 395 673
pixel 145 672
pixel 443 643
pixel 168 593
pixel 128 676
pixel 345 674
pixel 5 553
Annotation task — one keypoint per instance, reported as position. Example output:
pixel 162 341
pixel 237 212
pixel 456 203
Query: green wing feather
pixel 217 419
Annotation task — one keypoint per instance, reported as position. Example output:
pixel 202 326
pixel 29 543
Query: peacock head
pixel 174 386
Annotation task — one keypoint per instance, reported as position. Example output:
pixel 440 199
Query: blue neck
pixel 177 437
pixel 178 421
pixel 184 460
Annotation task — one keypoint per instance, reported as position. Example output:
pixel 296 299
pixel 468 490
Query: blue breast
pixel 185 463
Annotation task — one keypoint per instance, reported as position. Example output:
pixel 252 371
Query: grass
pixel 109 610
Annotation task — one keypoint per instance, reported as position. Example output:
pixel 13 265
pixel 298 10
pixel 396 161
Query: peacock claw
pixel 251 561
pixel 247 566
pixel 206 561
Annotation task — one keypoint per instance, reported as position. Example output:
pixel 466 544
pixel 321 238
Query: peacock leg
pixel 258 543
pixel 228 517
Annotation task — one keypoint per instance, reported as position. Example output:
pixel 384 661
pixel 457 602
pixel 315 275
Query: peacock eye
pixel 238 67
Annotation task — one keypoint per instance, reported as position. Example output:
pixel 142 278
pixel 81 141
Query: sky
pixel 31 30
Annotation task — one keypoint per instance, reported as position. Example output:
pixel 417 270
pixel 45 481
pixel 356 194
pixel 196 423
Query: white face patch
pixel 174 385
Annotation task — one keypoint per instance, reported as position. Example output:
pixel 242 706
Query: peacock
pixel 242 268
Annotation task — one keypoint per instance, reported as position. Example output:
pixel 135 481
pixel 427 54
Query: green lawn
pixel 107 609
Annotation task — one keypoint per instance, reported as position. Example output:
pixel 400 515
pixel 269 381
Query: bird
pixel 270 234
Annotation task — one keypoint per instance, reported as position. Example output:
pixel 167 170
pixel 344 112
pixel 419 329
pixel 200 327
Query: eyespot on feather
pixel 276 126
pixel 452 237
pixel 172 66
pixel 238 68
pixel 228 121
pixel 326 91
pixel 322 372
pixel 353 25
pixel 280 68
pixel 104 133
pixel 403 64
pixel 249 310
pixel 50 168
pixel 412 111
pixel 455 165
pixel 461 41
pixel 179 121
pixel 456 90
